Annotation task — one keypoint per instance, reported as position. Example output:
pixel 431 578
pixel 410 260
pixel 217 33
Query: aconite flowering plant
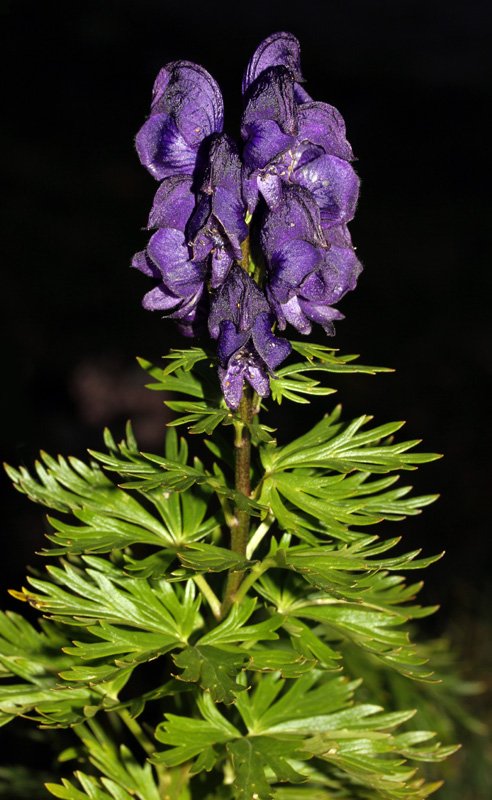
pixel 208 623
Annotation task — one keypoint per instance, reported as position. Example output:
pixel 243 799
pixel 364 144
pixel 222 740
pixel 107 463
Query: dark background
pixel 412 79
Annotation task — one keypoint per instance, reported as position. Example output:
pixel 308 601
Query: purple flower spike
pixel 281 206
pixel 240 318
pixel 186 108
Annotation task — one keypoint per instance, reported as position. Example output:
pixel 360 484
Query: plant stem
pixel 253 576
pixel 240 530
pixel 137 731
pixel 209 595
pixel 258 535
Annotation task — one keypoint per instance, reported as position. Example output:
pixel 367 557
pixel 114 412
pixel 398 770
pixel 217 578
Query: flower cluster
pixel 285 196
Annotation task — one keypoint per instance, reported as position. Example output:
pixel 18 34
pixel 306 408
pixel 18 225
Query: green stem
pixel 257 536
pixel 137 731
pixel 209 595
pixel 253 576
pixel 240 528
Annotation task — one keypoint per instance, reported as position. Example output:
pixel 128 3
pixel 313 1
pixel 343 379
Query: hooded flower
pixel 306 274
pixel 289 138
pixel 180 291
pixel 240 318
pixel 217 227
pixel 186 108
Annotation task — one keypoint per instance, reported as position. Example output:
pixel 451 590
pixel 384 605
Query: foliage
pixel 174 686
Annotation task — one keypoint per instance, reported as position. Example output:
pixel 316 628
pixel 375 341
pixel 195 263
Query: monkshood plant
pixel 202 616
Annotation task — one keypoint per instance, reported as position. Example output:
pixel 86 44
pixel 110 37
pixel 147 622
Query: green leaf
pixel 117 764
pixel 289 663
pixel 111 606
pixel 188 738
pixel 214 669
pixel 204 557
pixel 250 758
pixel 294 381
pixel 112 517
pixel 341 448
pixel 233 629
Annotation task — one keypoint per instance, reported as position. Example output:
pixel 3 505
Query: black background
pixel 412 79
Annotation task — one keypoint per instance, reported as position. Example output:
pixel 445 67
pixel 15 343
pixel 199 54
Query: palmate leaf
pixel 378 761
pixel 360 600
pixel 206 410
pixel 151 472
pixel 136 620
pixel 217 659
pixel 252 757
pixel 30 661
pixel 288 724
pixel 294 381
pixel 117 765
pixel 91 789
pixel 112 517
pixel 126 781
pixel 189 738
pixel 331 504
pixel 331 445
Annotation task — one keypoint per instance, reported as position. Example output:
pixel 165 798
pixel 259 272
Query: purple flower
pixel 217 226
pixel 186 108
pixel 291 139
pixel 180 291
pixel 306 273
pixel 240 318
pixel 269 122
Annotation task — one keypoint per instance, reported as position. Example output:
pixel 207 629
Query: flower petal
pixel 323 125
pixel 168 251
pixel 272 349
pixel 186 108
pixel 278 49
pixel 188 93
pixel 230 340
pixel 264 141
pixel 142 262
pixel 296 216
pixel 292 263
pixel 161 299
pixel 322 314
pixel 271 97
pixel 173 203
pixel 334 185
